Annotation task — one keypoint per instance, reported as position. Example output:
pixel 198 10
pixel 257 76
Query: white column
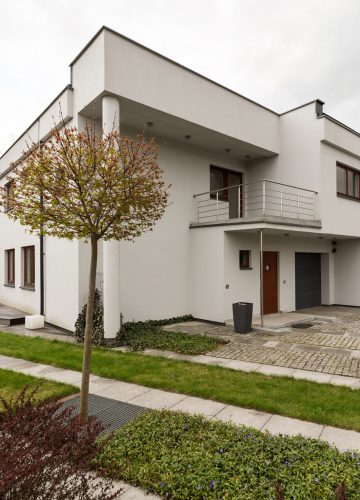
pixel 111 249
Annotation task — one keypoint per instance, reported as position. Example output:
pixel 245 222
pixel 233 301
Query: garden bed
pixel 188 457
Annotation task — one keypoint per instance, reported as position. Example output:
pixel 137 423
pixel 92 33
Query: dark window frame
pixel 245 263
pixel 224 194
pixel 9 195
pixel 28 284
pixel 347 169
pixel 10 267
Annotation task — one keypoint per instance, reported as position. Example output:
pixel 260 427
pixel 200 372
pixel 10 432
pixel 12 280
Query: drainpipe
pixel 42 286
pixel 261 279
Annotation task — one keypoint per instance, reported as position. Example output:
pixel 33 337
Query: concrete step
pixel 10 320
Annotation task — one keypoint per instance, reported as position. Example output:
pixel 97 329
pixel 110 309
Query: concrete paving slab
pixel 291 426
pixel 271 343
pixel 210 360
pixel 65 376
pixel 158 352
pixel 244 366
pixel 243 416
pixel 355 354
pixel 121 391
pixel 353 383
pixel 343 439
pixel 279 371
pixel 320 378
pixel 195 406
pixel 156 399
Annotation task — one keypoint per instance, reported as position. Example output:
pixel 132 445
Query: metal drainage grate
pixel 113 414
pixel 302 325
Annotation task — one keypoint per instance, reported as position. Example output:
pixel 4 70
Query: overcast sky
pixel 281 53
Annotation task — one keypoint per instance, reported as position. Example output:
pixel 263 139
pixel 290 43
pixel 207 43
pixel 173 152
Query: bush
pixel 188 457
pixel 46 453
pixel 98 323
pixel 142 335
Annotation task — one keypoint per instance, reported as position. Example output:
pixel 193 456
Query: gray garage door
pixel 307 280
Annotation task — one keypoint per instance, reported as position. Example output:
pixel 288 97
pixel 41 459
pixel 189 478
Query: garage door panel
pixel 307 280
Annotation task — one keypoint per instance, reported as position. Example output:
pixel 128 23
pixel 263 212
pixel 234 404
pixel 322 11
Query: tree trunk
pixel 84 397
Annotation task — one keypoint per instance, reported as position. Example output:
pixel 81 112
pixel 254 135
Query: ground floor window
pixel 28 254
pixel 10 267
pixel 244 259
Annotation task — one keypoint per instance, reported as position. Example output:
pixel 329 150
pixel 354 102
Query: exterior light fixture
pixel 227 150
pixel 149 124
pixel 247 157
pixel 188 137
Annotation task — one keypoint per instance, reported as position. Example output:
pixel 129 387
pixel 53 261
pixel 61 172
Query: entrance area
pixel 307 280
pixel 270 282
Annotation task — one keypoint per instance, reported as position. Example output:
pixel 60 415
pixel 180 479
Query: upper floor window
pixel 10 267
pixel 9 188
pixel 347 181
pixel 28 278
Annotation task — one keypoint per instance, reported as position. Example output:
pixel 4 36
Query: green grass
pixel 321 403
pixel 180 456
pixel 11 384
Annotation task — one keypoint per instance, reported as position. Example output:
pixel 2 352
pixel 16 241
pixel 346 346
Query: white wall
pixel 155 276
pixel 145 77
pixel 347 272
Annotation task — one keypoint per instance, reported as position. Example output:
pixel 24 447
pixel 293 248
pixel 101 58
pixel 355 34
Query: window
pixel 220 180
pixel 347 181
pixel 244 259
pixel 10 267
pixel 28 254
pixel 9 189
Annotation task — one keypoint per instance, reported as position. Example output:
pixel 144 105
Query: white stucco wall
pixel 347 272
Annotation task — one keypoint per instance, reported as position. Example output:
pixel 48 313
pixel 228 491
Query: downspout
pixel 261 279
pixel 41 237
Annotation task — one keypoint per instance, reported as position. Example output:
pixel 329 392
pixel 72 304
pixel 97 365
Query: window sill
pixel 9 285
pixel 28 288
pixel 246 268
pixel 347 197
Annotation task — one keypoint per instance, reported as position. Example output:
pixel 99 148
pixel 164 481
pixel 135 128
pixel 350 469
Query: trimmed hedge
pixel 188 457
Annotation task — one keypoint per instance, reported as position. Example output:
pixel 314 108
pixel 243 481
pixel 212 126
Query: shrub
pixel 46 453
pixel 98 323
pixel 180 456
pixel 142 335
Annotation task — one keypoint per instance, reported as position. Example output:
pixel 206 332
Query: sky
pixel 280 53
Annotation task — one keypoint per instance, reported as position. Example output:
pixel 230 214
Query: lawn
pixel 11 384
pixel 321 403
pixel 180 456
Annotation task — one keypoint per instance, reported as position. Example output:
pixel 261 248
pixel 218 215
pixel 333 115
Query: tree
pixel 79 185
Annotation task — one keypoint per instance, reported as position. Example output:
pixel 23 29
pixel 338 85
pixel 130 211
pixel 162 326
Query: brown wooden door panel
pixel 270 282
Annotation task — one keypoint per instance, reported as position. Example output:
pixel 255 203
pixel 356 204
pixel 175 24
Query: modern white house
pixel 242 175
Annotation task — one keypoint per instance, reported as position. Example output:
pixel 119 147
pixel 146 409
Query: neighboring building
pixel 296 177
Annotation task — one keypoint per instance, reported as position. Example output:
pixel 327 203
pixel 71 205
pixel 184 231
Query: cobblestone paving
pixel 321 339
pixel 329 347
pixel 304 360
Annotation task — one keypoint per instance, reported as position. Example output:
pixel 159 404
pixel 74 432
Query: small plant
pixel 46 453
pixel 142 335
pixel 98 321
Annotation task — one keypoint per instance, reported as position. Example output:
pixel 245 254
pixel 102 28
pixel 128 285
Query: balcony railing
pixel 257 200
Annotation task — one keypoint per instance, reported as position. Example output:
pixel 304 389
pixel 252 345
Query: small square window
pixel 244 259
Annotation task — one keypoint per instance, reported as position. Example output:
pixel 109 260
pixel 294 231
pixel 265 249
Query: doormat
pixel 113 414
pixel 302 325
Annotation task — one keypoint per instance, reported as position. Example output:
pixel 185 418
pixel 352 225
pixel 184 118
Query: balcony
pixel 260 201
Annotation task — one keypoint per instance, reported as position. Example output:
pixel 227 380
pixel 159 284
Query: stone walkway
pixel 157 399
pixel 325 347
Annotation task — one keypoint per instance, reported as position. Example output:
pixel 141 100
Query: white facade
pixel 190 263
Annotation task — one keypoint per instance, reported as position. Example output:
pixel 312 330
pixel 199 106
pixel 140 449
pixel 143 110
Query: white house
pixel 240 172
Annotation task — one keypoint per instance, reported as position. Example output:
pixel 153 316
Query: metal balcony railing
pixel 256 200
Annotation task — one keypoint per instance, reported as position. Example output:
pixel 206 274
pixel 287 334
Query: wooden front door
pixel 270 282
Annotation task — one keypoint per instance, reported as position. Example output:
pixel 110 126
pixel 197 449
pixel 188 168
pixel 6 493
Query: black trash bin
pixel 242 314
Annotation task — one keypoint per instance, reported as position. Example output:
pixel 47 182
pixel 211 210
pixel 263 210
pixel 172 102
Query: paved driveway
pixel 327 347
